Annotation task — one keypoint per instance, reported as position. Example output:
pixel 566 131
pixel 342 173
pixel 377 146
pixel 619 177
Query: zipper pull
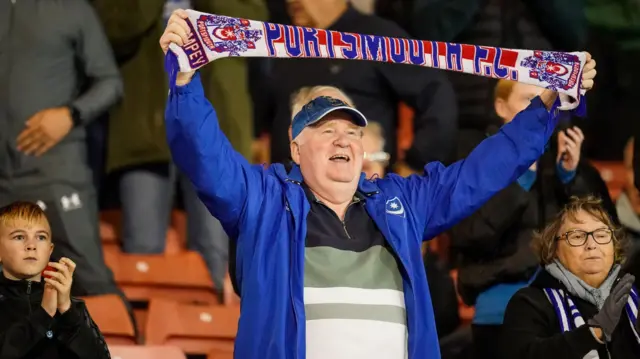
pixel 29 287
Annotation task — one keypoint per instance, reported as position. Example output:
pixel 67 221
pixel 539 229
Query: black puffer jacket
pixel 27 331
pixel 531 329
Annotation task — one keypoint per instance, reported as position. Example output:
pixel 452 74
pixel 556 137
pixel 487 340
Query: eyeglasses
pixel 578 238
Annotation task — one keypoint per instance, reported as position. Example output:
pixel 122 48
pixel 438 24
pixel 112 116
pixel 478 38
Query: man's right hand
pixel 177 32
pixel 50 299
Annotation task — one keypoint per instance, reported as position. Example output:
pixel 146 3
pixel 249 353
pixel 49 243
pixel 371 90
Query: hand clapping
pixel 61 281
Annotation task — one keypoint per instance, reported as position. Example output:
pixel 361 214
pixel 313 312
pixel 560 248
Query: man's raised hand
pixel 177 32
pixel 588 73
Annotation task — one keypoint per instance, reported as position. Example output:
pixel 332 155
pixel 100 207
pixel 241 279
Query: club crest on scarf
pixel 557 69
pixel 230 35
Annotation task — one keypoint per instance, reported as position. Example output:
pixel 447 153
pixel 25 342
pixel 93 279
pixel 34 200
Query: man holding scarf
pixel 329 263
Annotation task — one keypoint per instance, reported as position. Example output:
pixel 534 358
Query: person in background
pixel 138 154
pixel 582 304
pixel 375 158
pixel 376 88
pixel 493 245
pixel 58 74
pixel 38 317
pixel 517 24
pixel 628 210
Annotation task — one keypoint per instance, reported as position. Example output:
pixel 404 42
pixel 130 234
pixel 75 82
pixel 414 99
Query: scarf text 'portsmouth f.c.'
pixel 214 36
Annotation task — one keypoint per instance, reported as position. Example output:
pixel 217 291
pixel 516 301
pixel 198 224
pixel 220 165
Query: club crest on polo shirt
pixel 557 70
pixel 227 34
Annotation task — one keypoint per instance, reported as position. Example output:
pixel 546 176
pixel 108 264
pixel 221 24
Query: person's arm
pixel 80 335
pixel 223 178
pixel 482 231
pixel 98 64
pixel 430 94
pixel 445 195
pixel 21 337
pixel 529 327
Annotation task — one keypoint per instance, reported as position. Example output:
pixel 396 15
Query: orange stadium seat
pixel 196 329
pixel 145 352
pixel 110 314
pixel 614 175
pixel 182 277
pixel 220 354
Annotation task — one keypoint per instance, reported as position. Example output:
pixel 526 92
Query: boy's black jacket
pixel 27 331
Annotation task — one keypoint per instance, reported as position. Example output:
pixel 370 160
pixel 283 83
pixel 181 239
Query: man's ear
pixel 51 250
pixel 295 152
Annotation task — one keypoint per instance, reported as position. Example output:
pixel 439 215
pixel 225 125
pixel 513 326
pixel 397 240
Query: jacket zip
pixel 606 347
pixel 29 296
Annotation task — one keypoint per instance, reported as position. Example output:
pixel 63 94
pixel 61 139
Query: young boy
pixel 38 317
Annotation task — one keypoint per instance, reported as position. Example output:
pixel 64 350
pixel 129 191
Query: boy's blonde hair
pixel 24 210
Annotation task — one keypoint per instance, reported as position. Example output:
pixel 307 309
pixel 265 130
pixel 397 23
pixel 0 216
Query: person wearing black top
pixel 581 304
pixel 38 317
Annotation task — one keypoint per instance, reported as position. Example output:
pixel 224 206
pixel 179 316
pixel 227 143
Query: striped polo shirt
pixel 353 295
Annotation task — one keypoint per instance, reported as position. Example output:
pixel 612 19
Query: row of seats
pixel 194 328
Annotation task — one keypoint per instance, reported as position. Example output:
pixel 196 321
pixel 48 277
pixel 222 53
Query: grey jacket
pixel 53 53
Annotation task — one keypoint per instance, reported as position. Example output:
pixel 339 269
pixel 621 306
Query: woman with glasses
pixel 580 305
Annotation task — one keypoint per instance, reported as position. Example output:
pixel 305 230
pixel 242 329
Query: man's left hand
pixel 588 73
pixel 61 280
pixel 44 130
pixel 569 148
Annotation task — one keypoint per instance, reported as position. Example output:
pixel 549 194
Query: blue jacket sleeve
pixel 223 178
pixel 445 195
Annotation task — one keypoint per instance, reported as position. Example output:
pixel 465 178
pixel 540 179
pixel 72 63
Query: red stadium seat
pixel 182 276
pixel 196 329
pixel 145 352
pixel 111 316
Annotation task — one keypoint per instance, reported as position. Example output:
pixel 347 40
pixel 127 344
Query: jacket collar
pixel 15 288
pixel 365 186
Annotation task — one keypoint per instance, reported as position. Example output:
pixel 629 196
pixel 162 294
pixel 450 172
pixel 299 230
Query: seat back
pixel 196 329
pixel 145 352
pixel 180 276
pixel 110 314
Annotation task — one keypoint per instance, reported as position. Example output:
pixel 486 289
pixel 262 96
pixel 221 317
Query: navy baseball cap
pixel 319 107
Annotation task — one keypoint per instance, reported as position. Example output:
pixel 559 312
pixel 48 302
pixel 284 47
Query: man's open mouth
pixel 340 158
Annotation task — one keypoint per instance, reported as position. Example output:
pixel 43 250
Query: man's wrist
pixel 183 78
pixel 74 114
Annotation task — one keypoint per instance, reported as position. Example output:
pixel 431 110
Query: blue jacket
pixel 265 211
